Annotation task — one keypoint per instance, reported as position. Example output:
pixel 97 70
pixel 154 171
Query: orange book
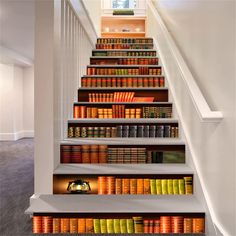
pixel 111 181
pixel 126 97
pixel 139 186
pixel 89 226
pixel 125 186
pixel 102 185
pixel 146 186
pixel 133 186
pixel 115 97
pixel 81 226
pixel 65 225
pixel 76 112
pixel 73 225
pixel 146 226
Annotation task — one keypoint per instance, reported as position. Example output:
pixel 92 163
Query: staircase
pixel 125 146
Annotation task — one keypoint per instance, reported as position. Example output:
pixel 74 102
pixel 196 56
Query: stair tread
pixel 137 169
pixel 115 204
pixel 122 88
pixel 138 76
pixel 136 103
pixel 124 141
pixel 124 65
pixel 124 120
pixel 124 50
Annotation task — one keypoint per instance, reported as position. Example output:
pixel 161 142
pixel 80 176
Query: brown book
pixel 56 226
pixel 188 225
pixel 125 186
pixel 94 153
pixel 118 186
pixel 85 153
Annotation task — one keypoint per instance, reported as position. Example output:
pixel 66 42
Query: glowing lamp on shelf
pixel 78 186
pixel 137 30
pixel 106 29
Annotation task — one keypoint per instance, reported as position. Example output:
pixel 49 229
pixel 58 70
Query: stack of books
pixel 157 112
pixel 126 155
pixel 144 186
pixel 173 224
pixel 84 154
pixel 123 82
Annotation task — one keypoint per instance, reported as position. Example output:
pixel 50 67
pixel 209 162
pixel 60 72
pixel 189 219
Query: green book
pixel 103 224
pixel 181 186
pixel 164 186
pixel 154 157
pixel 117 226
pixel 110 226
pixel 130 226
pixel 97 227
pixel 123 226
pixel 173 157
pixel 153 186
pixel 158 186
pixel 176 186
pixel 170 186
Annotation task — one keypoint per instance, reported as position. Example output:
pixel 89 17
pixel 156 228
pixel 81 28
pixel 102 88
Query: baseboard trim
pixel 17 135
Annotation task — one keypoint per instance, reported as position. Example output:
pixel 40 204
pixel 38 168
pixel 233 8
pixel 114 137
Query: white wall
pixel 205 34
pixel 28 101
pixel 16 102
pixel 6 102
pixel 94 10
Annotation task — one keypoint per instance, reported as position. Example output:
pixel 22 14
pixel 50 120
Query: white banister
pixel 160 32
pixel 78 38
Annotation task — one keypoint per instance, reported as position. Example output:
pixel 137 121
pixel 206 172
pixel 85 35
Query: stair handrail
pixel 203 109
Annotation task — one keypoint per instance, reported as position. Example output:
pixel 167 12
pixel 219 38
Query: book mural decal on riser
pixel 124 81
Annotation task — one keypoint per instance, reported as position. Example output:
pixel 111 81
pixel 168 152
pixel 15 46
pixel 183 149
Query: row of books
pixel 113 185
pixel 115 71
pixel 124 40
pixel 124 131
pixel 104 154
pixel 125 61
pixel 125 54
pixel 157 112
pixel 123 82
pixel 136 225
pixel 124 46
pixel 112 97
pixel 120 111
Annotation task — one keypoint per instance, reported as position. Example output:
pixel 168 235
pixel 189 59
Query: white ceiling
pixel 17 26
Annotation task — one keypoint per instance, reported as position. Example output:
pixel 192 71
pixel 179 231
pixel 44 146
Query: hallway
pixel 16 177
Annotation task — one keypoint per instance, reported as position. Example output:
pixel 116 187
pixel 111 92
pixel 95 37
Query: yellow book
pixel 117 226
pixel 158 186
pixel 181 186
pixel 170 186
pixel 103 224
pixel 123 226
pixel 164 186
pixel 176 186
pixel 110 226
pixel 153 186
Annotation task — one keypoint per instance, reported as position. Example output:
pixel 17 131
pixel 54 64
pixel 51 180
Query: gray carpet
pixel 16 186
